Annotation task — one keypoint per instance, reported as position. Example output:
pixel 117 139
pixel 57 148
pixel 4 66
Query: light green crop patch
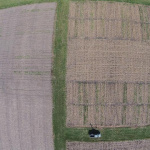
pixel 32 10
pixel 85 100
pixel 35 10
pixel 0 32
pixel 23 57
pixel 124 101
pixel 32 72
pixel 13 3
pixel 79 98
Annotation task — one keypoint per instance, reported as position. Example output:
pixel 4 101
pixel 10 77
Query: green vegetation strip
pixel 144 18
pixel 109 134
pixel 59 75
pixel 12 3
pixel 144 2
pixel 124 101
pixel 85 100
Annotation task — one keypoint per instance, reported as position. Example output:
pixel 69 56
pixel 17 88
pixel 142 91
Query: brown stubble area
pixel 26 94
pixel 127 145
pixel 106 20
pixel 119 99
pixel 74 100
pixel 148 108
pixel 145 19
pixel 130 99
pixel 101 61
pixel 108 56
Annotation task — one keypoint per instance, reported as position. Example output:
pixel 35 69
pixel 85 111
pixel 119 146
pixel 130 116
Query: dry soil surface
pixel 26 34
pixel 125 145
pixel 108 65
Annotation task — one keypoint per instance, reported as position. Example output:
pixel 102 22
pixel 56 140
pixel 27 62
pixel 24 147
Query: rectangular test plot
pixel 108 59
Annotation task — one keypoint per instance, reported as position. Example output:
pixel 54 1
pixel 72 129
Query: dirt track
pixel 124 145
pixel 25 77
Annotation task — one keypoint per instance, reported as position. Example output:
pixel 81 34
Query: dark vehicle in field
pixel 93 133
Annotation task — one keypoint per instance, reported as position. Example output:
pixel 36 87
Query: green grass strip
pixel 124 101
pixel 13 3
pixel 123 24
pixel 80 98
pixel 144 18
pixel 139 100
pixel 144 2
pixel 147 119
pixel 146 25
pixel 108 134
pixel 135 101
pixel 96 95
pixel 59 75
pixel 85 100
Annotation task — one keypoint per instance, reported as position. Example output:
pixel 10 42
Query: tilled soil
pixel 25 77
pixel 107 20
pixel 107 104
pixel 108 60
pixel 124 145
pixel 108 65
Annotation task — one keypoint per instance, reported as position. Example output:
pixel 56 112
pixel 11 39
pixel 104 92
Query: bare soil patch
pixel 108 60
pixel 25 76
pixel 108 65
pixel 125 145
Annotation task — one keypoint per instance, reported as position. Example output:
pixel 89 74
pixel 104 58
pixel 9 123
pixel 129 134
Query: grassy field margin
pixel 109 134
pixel 144 2
pixel 59 75
pixel 13 3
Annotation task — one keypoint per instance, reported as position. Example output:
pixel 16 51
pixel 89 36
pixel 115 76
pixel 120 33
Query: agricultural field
pixel 108 65
pixel 124 145
pixel 25 77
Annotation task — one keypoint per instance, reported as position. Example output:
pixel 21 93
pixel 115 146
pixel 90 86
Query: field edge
pixel 59 75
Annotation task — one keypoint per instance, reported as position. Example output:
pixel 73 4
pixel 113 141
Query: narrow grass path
pixel 108 134
pixel 59 75
pixel 144 2
pixel 12 3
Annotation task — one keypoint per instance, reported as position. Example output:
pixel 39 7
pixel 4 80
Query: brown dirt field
pixel 109 58
pixel 25 69
pixel 130 99
pixel 97 60
pixel 105 20
pixel 107 107
pixel 124 145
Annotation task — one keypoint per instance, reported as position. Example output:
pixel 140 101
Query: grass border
pixel 59 75
pixel 143 2
pixel 109 134
pixel 4 4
